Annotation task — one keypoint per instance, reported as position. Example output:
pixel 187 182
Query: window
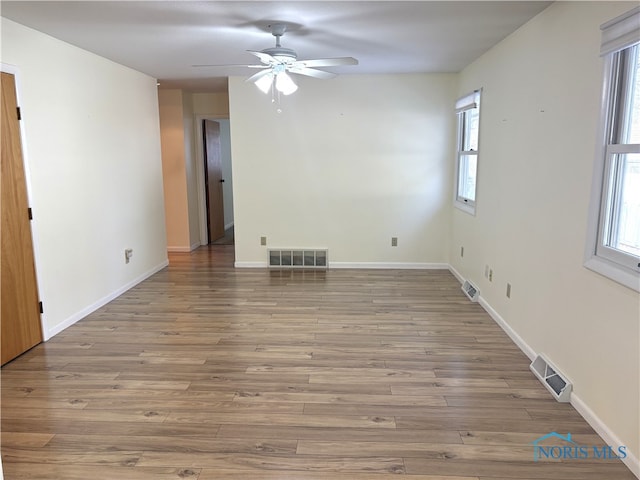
pixel 614 241
pixel 468 111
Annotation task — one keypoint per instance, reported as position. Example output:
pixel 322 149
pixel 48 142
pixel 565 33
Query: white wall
pixel 93 152
pixel 348 164
pixel 540 108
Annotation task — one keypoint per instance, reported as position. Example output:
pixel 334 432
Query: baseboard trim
pixel 180 249
pixel 511 333
pixel 390 265
pixel 49 333
pixel 517 339
pixel 456 274
pixel 250 265
pixel 360 265
pixel 607 435
pixel 229 225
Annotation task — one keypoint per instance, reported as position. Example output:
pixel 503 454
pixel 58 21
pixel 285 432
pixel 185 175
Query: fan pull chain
pixel 275 97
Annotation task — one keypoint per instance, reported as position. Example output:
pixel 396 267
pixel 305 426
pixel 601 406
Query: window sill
pixel 465 207
pixel 615 272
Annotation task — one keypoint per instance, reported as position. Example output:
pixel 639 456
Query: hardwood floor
pixel 207 372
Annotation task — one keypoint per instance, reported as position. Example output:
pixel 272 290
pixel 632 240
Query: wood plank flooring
pixel 208 372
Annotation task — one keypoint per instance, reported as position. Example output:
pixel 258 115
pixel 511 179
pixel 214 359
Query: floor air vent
pixel 292 258
pixel 555 382
pixel 470 291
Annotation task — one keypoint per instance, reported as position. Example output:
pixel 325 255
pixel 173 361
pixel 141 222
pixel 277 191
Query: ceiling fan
pixel 278 62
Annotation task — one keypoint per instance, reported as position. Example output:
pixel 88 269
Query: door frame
pixel 37 260
pixel 202 202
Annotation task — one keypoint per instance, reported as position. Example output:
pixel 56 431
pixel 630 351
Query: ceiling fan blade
pixel 327 62
pixel 310 72
pixel 257 76
pixel 264 57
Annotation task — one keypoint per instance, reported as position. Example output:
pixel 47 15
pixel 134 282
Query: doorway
pixel 218 222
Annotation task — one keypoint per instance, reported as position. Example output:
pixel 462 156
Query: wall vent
pixel 470 291
pixel 298 258
pixel 555 382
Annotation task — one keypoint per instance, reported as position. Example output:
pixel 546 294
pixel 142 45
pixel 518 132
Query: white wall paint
pixel 540 109
pixel 93 152
pixel 349 163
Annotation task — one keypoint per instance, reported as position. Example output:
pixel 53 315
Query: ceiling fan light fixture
pixel 264 83
pixel 284 84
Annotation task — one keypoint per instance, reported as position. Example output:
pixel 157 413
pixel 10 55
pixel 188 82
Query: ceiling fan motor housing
pixel 283 54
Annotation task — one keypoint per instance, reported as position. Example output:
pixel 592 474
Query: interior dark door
pixel 213 180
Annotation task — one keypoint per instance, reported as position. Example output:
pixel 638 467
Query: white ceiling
pixel 165 39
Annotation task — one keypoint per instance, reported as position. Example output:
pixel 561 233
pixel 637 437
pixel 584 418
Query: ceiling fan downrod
pixel 277 30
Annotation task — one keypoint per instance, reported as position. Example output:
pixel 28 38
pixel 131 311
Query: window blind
pixel 621 32
pixel 468 102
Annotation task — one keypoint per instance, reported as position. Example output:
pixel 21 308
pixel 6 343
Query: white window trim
pixel 466 205
pixel 603 250
pixel 467 102
pixel 593 260
pixel 617 34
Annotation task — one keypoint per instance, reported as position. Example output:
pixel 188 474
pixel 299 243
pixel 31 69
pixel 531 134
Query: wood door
pixel 213 180
pixel 20 309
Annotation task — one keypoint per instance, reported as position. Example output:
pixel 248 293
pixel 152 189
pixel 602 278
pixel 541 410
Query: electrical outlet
pixel 394 241
pixel 490 275
pixel 263 241
pixel 508 290
pixel 462 251
pixel 128 253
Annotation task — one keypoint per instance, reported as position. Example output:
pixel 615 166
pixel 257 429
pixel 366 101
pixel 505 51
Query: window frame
pixel 464 105
pixel 619 36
